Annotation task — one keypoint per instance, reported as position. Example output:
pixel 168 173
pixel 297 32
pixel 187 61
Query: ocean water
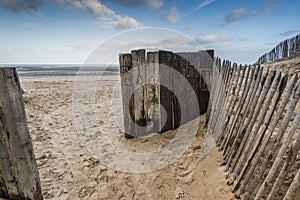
pixel 66 70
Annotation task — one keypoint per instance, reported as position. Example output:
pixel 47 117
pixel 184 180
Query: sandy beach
pixel 68 170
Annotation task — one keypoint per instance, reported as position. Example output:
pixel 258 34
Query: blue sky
pixel 68 31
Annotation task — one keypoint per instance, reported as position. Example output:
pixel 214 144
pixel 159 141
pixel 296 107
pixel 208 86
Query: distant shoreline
pixel 66 71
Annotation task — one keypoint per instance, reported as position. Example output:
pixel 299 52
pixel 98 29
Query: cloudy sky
pixel 68 31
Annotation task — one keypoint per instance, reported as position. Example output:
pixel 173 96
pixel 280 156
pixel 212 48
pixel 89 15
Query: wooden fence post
pixel 152 93
pixel 125 61
pixel 19 178
pixel 269 154
pixel 166 80
pixel 290 194
pixel 282 150
pixel 270 128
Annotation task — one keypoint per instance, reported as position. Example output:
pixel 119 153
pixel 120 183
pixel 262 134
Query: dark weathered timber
pixel 125 61
pixel 152 92
pixel 285 49
pixel 19 178
pixel 166 88
pixel 139 75
pixel 179 81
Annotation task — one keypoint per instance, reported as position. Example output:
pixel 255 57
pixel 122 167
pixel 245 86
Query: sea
pixel 35 71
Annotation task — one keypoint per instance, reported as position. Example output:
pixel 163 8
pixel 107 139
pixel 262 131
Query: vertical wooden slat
pixel 19 178
pixel 232 97
pixel 248 124
pixel 138 67
pixel 152 96
pixel 268 157
pixel 237 162
pixel 256 133
pixel 286 139
pixel 247 81
pixel 246 109
pixel 125 62
pixel 270 128
pixel 166 88
pixel 290 160
pixel 294 187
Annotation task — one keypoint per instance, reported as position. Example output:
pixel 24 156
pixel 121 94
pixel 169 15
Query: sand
pixel 68 170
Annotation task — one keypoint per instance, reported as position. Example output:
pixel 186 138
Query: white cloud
pixel 148 3
pixel 206 39
pixel 237 15
pixel 171 16
pixel 106 17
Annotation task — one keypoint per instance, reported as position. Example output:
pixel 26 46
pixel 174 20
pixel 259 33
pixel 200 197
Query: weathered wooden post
pixel 19 178
pixel 152 92
pixel 156 84
pixel 125 61
pixel 166 88
pixel 139 77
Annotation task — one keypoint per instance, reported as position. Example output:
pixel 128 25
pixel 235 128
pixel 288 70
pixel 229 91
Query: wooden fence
pixel 19 178
pixel 161 90
pixel 255 121
pixel 287 48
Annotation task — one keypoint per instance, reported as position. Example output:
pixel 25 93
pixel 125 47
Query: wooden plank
pixel 152 91
pixel 19 178
pixel 166 88
pixel 125 61
pixel 206 66
pixel 179 81
pixel 139 75
pixel 193 78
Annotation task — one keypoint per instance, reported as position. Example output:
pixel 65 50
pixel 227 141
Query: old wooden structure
pixel 286 49
pixel 161 90
pixel 255 120
pixel 19 178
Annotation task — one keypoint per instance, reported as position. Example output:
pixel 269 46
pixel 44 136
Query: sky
pixel 74 31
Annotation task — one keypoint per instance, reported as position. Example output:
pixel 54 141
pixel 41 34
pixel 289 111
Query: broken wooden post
pixel 19 178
